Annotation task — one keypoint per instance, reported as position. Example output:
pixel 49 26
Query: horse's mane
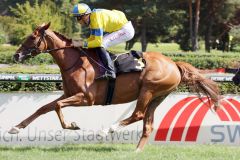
pixel 61 36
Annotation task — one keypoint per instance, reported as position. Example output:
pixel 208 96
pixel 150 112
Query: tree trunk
pixel 190 24
pixel 143 35
pixel 196 25
pixel 208 36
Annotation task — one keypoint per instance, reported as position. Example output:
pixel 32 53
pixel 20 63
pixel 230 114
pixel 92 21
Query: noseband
pixel 35 48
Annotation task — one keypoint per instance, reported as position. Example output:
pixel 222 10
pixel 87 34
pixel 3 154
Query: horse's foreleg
pixel 148 122
pixel 44 109
pixel 77 100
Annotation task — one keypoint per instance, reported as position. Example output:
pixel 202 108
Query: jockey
pixel 107 28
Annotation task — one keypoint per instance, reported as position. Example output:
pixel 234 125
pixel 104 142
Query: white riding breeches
pixel 126 33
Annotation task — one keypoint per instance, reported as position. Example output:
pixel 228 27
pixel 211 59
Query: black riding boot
pixel 108 63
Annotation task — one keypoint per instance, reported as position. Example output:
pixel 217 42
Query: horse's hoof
pixel 114 128
pixel 138 150
pixel 103 133
pixel 14 130
pixel 74 126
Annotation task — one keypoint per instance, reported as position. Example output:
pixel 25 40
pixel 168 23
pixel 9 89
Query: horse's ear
pixel 45 27
pixel 41 28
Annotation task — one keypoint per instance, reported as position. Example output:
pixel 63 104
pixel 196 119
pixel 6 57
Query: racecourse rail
pixel 219 77
pixel 181 118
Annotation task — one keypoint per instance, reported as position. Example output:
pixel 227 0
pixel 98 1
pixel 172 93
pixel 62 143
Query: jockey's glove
pixel 77 43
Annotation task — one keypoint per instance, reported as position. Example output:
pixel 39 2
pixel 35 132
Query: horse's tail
pixel 198 83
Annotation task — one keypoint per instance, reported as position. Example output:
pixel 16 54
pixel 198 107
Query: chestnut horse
pixel 150 87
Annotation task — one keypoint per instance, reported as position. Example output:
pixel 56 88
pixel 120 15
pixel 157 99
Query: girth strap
pixel 110 91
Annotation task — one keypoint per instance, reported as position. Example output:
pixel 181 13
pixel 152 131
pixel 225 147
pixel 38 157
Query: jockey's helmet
pixel 81 9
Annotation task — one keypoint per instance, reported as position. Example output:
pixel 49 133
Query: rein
pixel 36 48
pixel 55 49
pixel 99 64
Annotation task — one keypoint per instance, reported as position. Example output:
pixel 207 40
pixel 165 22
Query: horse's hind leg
pixel 148 122
pixel 137 115
pixel 44 109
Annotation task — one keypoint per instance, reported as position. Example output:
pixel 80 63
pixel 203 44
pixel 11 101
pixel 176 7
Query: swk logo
pixel 190 112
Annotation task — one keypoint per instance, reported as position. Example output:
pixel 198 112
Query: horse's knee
pixel 58 106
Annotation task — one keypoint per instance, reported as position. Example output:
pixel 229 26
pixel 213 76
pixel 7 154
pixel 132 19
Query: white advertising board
pixel 181 118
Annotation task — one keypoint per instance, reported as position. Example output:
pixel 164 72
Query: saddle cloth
pixel 128 62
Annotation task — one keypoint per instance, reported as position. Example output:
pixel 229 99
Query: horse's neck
pixel 65 58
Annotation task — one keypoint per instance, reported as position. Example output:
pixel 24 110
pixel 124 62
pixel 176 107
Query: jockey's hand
pixel 77 43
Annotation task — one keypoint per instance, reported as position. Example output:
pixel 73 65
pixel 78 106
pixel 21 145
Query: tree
pixel 196 25
pixel 220 15
pixel 5 28
pixel 191 22
pixel 154 21
pixel 193 27
pixel 28 17
pixel 70 25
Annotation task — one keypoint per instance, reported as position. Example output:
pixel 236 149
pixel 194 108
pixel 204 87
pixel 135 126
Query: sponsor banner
pixel 220 77
pixel 181 118
pixel 31 77
pixel 189 119
pixel 57 77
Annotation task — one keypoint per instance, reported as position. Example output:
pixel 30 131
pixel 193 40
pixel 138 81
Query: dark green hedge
pixel 6 57
pixel 208 60
pixel 29 86
pixel 199 60
pixel 226 87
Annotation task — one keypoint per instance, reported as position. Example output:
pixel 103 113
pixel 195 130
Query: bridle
pixel 36 49
pixel 42 38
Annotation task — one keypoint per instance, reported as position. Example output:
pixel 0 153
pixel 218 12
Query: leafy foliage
pixel 28 17
pixel 154 21
pixel 225 87
pixel 28 86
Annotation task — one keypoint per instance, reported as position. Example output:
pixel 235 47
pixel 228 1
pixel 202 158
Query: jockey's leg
pixel 44 109
pixel 124 34
pixel 108 63
pixel 79 99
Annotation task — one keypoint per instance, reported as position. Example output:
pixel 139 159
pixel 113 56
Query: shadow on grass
pixel 76 148
pixel 20 149
pixel 65 148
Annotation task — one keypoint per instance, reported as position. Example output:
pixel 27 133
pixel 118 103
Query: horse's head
pixel 33 45
pixel 236 78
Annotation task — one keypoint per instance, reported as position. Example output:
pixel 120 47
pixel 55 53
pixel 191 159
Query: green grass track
pixel 121 152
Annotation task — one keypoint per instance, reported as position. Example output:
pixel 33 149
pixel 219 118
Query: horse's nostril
pixel 16 57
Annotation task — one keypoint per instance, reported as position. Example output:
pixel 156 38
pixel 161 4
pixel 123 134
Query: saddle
pixel 129 62
pixel 124 63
